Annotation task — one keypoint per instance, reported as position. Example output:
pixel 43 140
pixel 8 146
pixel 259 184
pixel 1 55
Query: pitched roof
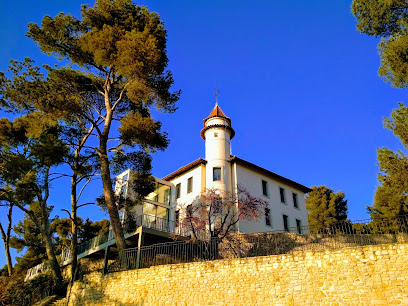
pixel 217 112
pixel 243 162
pixel 184 169
pixel 278 177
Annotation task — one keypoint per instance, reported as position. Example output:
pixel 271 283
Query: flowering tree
pixel 215 213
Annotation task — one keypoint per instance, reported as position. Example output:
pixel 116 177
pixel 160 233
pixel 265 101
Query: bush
pixel 14 291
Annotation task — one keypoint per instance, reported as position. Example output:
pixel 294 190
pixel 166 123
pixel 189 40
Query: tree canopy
pixel 116 72
pixel 387 19
pixel 325 207
pixel 391 196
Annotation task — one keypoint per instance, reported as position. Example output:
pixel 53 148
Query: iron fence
pixel 236 245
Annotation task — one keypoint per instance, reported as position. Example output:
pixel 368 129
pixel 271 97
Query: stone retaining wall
pixel 372 275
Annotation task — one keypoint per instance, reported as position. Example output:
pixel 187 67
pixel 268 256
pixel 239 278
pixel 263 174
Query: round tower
pixel 217 133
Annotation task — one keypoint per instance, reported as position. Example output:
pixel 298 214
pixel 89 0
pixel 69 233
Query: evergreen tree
pixel 391 196
pixel 119 50
pixel 389 21
pixel 325 207
pixel 29 148
pixel 89 229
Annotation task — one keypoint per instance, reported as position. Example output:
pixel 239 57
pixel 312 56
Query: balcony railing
pixel 129 226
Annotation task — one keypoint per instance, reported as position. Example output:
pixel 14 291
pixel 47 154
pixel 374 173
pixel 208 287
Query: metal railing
pixel 34 271
pixel 131 224
pixel 341 235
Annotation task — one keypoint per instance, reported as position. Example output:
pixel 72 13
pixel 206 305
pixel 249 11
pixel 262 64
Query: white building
pixel 286 204
pixel 156 220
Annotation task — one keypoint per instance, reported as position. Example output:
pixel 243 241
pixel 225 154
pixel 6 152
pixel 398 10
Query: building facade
pixel 286 198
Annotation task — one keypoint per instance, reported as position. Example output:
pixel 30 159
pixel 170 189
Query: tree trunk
pixel 45 232
pixel 44 226
pixel 6 240
pixel 110 202
pixel 8 256
pixel 74 227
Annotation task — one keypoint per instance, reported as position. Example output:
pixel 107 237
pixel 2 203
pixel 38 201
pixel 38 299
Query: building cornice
pixel 184 169
pixel 232 132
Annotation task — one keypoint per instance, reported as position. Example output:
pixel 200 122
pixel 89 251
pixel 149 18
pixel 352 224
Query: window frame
pixel 190 185
pixel 299 226
pixel 268 220
pixel 285 223
pixel 295 200
pixel 265 188
pixel 178 191
pixel 220 174
pixel 282 195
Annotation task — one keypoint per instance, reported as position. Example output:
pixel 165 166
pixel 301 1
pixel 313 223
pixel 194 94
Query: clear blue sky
pixel 297 79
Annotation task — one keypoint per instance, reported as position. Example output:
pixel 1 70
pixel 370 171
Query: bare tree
pixel 215 213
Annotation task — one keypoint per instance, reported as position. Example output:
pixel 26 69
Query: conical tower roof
pixel 217 112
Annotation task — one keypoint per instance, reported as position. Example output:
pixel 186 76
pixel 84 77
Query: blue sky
pixel 297 79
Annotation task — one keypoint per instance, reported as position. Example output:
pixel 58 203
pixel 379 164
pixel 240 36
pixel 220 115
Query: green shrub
pixel 14 291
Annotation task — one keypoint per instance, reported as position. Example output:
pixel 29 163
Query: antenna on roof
pixel 217 93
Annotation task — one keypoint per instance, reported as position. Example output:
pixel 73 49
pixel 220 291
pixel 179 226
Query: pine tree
pixel 326 208
pixel 391 196
pixel 29 148
pixel 389 21
pixel 116 72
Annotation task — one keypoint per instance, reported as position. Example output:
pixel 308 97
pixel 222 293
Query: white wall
pixel 217 153
pixel 252 181
pixel 186 198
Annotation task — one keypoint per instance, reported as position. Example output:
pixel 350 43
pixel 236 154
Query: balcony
pixel 145 221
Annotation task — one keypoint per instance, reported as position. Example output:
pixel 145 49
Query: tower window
pixel 264 188
pixel 285 223
pixel 216 174
pixel 215 134
pixel 190 185
pixel 268 217
pixel 295 202
pixel 178 189
pixel 282 195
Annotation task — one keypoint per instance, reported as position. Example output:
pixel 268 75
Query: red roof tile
pixel 184 169
pixel 217 112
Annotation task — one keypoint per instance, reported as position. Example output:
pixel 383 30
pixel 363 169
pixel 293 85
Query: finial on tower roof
pixel 217 92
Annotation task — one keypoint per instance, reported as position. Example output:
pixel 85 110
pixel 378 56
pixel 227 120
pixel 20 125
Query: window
pixel 295 202
pixel 268 217
pixel 178 189
pixel 215 134
pixel 125 178
pixel 264 188
pixel 123 190
pixel 167 196
pixel 282 194
pixel 216 174
pixel 285 223
pixel 190 185
pixel 177 217
pixel 298 226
